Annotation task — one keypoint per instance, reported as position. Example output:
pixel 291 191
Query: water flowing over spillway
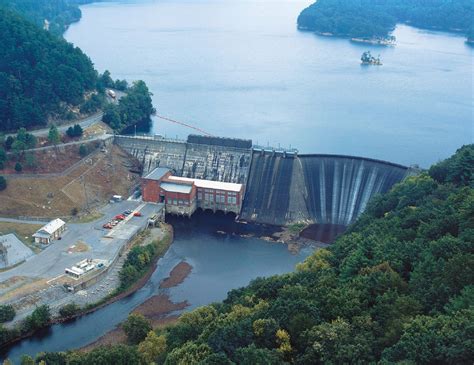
pixel 325 189
pixel 339 188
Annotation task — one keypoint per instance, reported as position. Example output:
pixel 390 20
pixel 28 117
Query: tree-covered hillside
pixel 39 73
pixel 373 18
pixel 398 287
pixel 59 13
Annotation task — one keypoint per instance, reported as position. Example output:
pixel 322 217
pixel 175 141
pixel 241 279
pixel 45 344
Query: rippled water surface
pixel 242 69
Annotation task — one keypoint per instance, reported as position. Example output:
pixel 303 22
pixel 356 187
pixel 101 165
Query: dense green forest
pixel 374 18
pixel 40 74
pixel 59 13
pixel 134 109
pixel 398 287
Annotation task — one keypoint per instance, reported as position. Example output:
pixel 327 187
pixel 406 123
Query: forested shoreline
pixel 396 288
pixel 376 19
pixel 44 79
pixel 40 74
pixel 58 13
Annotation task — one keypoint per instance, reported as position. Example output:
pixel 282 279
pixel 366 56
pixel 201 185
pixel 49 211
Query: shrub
pixel 83 150
pixel 8 142
pixel 75 131
pixel 7 313
pixel 136 327
pixel 3 183
pixel 69 310
pixel 38 319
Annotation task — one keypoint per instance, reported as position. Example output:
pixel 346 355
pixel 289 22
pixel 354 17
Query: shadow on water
pixel 326 233
pixel 206 222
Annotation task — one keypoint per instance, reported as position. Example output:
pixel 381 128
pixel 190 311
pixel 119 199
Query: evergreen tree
pixel 53 135
pixel 83 151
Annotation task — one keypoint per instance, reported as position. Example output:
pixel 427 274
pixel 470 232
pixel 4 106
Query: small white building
pixel 85 266
pixel 50 231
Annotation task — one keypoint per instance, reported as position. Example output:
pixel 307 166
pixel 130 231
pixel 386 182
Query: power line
pixel 184 124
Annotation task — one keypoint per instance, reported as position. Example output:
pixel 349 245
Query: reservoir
pixel 221 260
pixel 240 68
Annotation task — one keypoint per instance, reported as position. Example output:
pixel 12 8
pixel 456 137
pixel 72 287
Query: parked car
pixel 137 214
pixel 127 212
pixel 107 226
pixel 120 217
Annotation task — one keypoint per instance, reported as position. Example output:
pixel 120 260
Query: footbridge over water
pixel 281 186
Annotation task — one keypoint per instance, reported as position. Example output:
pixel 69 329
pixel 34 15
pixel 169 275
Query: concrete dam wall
pixel 154 153
pixel 210 158
pixel 315 188
pixel 281 187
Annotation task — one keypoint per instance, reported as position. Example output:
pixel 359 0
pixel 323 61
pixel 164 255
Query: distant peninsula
pixel 53 15
pixel 373 20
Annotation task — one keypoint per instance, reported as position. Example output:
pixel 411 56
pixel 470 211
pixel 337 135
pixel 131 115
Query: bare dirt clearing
pixel 90 183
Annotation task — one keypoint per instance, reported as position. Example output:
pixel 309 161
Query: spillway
pixel 326 189
pixel 267 197
pixel 339 187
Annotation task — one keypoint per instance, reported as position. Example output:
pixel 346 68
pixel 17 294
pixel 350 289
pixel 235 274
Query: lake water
pixel 220 262
pixel 242 69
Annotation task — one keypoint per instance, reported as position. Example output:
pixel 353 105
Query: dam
pixel 325 189
pixel 200 157
pixel 281 186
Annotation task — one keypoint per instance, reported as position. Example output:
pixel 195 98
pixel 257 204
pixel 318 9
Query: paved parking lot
pixel 54 259
pixel 16 251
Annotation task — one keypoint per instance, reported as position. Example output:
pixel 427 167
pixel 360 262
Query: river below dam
pixel 239 68
pixel 221 260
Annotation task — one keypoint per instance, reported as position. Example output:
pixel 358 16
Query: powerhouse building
pixel 182 196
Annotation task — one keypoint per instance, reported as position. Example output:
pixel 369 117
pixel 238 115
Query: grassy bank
pixel 24 231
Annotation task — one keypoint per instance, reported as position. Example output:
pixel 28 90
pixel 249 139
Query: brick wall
pixel 151 190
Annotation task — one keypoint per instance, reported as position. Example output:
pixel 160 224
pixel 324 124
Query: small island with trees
pixel 368 59
pixel 372 21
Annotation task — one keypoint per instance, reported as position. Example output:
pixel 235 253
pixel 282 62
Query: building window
pixel 175 202
pixel 231 200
